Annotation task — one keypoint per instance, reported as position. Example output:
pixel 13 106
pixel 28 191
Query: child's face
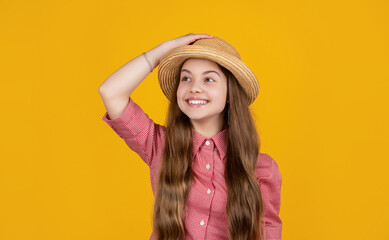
pixel 197 82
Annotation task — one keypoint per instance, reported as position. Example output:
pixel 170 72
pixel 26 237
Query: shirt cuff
pixel 119 125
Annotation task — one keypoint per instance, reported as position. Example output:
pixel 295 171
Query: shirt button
pixel 209 191
pixel 208 166
pixel 202 222
pixel 207 143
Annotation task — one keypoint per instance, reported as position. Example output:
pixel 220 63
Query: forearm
pixel 128 77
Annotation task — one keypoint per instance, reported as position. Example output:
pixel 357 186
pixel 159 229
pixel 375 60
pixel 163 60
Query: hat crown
pixel 219 45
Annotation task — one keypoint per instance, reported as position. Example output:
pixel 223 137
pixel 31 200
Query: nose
pixel 195 86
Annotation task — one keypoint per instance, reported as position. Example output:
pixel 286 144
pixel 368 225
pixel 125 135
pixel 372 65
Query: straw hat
pixel 214 49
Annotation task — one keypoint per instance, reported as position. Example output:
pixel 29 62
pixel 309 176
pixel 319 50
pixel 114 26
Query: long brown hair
pixel 244 205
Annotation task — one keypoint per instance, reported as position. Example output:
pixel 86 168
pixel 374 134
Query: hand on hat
pixel 184 40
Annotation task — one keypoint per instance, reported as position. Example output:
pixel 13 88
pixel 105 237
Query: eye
pixel 185 79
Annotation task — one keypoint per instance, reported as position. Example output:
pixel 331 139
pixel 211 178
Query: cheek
pixel 220 95
pixel 180 92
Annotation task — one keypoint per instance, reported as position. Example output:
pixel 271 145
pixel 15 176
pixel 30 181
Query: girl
pixel 207 175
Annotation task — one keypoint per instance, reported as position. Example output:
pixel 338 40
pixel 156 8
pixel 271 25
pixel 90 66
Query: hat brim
pixel 169 68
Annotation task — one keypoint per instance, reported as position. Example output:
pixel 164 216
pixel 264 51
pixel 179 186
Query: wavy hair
pixel 244 205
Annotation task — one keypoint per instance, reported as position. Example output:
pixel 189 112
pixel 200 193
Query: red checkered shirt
pixel 206 204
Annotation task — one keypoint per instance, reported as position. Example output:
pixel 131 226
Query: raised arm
pixel 118 87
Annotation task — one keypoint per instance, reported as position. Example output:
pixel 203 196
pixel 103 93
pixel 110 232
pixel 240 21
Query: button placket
pixel 208 166
pixel 209 144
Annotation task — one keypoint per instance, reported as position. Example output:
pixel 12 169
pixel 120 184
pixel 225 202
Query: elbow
pixel 102 91
pixel 106 94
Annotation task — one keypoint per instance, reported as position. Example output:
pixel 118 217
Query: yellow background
pixel 322 111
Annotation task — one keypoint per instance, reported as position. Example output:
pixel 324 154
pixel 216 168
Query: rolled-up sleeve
pixel 139 132
pixel 271 195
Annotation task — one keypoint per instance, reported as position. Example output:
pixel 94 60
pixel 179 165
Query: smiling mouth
pixel 196 102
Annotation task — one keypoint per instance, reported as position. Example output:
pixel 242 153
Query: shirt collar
pixel 220 140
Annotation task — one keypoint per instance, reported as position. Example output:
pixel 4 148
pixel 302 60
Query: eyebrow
pixel 209 71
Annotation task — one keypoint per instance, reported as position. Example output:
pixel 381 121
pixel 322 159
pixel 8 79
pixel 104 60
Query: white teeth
pixel 197 102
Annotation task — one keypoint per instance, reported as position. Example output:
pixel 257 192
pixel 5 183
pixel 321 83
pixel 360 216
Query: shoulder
pixel 266 167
